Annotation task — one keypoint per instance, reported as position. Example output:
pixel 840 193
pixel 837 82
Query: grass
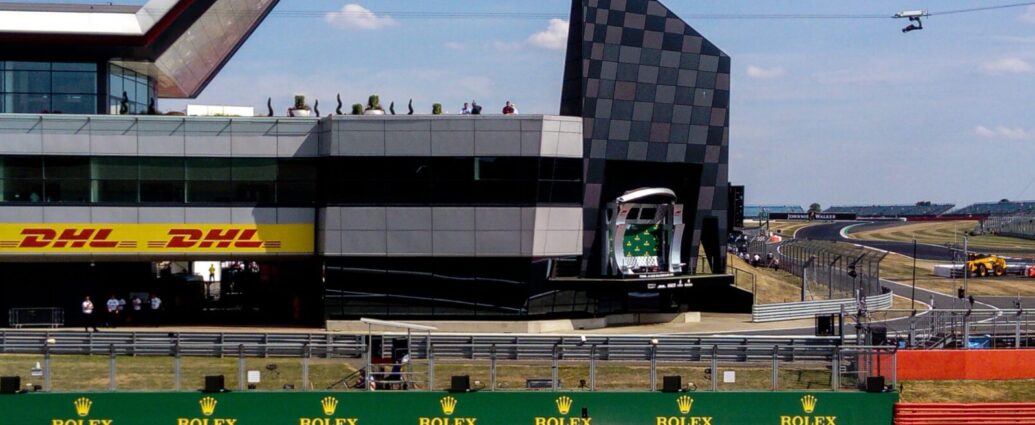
pixel 771 286
pixel 941 233
pixel 968 391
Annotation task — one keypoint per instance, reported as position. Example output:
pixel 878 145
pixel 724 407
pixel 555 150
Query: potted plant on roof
pixel 301 109
pixel 374 106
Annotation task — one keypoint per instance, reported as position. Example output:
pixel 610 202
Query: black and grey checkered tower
pixel 650 88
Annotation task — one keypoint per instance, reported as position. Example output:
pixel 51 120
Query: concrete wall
pixel 450 231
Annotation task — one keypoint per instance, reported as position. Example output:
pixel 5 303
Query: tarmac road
pixel 832 232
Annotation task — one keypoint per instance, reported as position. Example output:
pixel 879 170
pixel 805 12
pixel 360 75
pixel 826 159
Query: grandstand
pixel 752 211
pixel 1002 207
pixel 915 210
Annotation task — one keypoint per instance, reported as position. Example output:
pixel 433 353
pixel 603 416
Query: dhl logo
pixel 155 237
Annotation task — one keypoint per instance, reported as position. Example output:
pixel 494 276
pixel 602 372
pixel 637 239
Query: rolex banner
pixel 37 238
pixel 439 408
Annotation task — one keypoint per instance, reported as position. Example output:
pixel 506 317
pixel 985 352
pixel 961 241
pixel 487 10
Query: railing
pixel 810 309
pixel 51 317
pixel 586 366
pixel 523 346
pixel 961 328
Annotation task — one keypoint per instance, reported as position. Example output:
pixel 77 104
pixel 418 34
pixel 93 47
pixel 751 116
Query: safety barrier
pixel 966 364
pixel 810 309
pixel 964 413
pixel 37 316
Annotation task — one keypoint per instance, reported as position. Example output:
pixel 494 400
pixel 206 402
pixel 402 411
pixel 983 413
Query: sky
pixel 835 111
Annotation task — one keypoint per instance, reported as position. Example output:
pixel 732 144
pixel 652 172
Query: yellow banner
pixel 156 238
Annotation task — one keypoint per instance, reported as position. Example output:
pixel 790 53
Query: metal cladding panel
pixel 650 88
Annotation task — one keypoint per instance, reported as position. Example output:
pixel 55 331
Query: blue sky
pixel 830 111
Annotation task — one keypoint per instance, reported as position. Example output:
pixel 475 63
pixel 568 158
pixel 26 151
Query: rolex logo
pixel 329 404
pixel 208 406
pixel 808 403
pixel 448 405
pixel 82 406
pixel 685 403
pixel 564 404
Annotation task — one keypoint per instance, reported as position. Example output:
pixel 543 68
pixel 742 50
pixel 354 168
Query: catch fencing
pixel 810 309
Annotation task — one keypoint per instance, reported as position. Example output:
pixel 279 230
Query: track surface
pixel 832 232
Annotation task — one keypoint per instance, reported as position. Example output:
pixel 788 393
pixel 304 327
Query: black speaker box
pixel 878 335
pixel 875 384
pixel 825 325
pixel 10 384
pixel 671 384
pixel 214 384
pixel 460 384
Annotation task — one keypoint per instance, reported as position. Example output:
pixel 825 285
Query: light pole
pixel 912 297
pixel 966 269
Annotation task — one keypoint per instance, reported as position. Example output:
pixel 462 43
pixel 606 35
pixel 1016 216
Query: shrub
pixel 300 102
pixel 436 109
pixel 357 109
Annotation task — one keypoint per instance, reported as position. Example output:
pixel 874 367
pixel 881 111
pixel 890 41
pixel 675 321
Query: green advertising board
pixel 440 408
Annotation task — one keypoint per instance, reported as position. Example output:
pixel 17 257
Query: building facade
pixel 579 214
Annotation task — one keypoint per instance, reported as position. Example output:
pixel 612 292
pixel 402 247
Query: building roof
pixel 181 43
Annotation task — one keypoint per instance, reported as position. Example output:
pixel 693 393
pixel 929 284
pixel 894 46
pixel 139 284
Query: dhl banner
pixel 156 238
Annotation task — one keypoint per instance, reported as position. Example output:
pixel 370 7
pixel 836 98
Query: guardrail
pixel 810 309
pixel 832 367
pixel 51 317
pixel 962 328
pixel 523 346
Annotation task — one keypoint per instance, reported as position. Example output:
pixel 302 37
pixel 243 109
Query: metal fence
pixel 1018 225
pixel 960 328
pixel 50 317
pixel 582 366
pixel 832 273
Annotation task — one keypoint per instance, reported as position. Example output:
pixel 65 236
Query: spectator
pixel 466 110
pixel 88 317
pixel 508 109
pixel 476 109
pixel 113 310
pixel 776 264
pixel 756 260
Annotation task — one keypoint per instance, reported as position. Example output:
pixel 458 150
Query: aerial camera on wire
pixel 914 19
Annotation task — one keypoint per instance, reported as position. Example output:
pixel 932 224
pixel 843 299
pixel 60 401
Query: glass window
pixel 31 66
pixel 170 169
pixel 296 192
pixel 26 103
pixel 22 167
pixel 20 190
pixel 27 81
pixel 74 82
pixel 74 104
pixel 115 191
pixel 75 66
pixel 156 191
pixel 77 191
pixel 254 191
pixel 114 168
pixel 208 191
pixel 66 167
pixel 208 169
pixel 254 169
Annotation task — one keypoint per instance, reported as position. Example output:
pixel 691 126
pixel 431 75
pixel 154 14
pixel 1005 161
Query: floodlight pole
pixel 912 297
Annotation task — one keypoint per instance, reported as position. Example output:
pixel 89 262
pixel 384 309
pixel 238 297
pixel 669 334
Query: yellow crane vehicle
pixel 983 264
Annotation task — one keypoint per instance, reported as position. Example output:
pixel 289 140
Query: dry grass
pixel 968 391
pixel 941 233
pixel 787 228
pixel 771 286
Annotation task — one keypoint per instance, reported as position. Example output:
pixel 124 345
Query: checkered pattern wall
pixel 649 88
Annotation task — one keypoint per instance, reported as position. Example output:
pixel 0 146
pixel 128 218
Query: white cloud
pixel 356 17
pixel 1029 15
pixel 1002 132
pixel 765 73
pixel 555 37
pixel 1006 66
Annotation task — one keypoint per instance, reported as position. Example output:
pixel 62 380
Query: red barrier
pixel 943 365
pixel 964 413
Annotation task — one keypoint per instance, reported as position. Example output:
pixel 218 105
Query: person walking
pixel 88 318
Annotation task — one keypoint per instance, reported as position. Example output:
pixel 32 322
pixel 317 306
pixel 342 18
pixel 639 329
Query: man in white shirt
pixel 466 110
pixel 88 320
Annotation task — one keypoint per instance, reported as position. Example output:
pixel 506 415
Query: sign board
pixel 816 216
pixel 441 408
pixel 94 238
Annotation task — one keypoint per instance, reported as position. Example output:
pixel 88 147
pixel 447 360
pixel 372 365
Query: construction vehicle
pixel 982 264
